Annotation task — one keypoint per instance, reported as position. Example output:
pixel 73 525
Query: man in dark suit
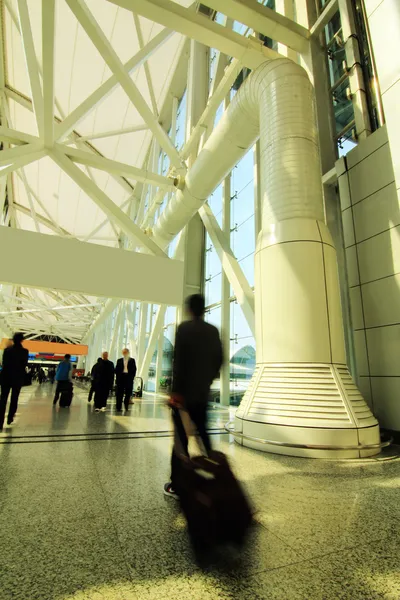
pixel 198 358
pixel 104 383
pixel 125 372
pixel 15 361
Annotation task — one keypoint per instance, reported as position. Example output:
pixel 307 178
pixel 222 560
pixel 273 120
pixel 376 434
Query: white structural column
pixel 159 363
pixel 143 312
pixel 257 189
pixel 301 393
pixel 48 46
pixel 154 335
pixel 194 235
pixel 225 296
pixel 286 8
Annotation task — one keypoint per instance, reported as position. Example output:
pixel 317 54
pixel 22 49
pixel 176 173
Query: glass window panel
pixel 167 358
pixel 213 264
pixel 213 316
pixel 181 122
pixel 170 315
pixel 344 146
pixel 242 355
pixel 243 239
pixel 219 114
pixel 247 265
pixel 242 204
pixel 215 203
pixel 213 290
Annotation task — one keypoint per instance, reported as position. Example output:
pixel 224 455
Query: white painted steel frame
pixel 247 52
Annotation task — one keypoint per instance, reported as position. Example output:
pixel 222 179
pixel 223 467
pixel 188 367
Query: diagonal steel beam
pixel 112 60
pixel 264 20
pixel 91 235
pixel 48 47
pixel 113 211
pixel 90 103
pixel 31 63
pixel 252 53
pixel 233 271
pixel 105 134
pixel 18 138
pixel 7 157
pixel 113 166
pixel 146 65
pixel 22 161
pixel 43 220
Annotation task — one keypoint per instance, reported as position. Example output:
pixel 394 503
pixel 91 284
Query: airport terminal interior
pixel 247 151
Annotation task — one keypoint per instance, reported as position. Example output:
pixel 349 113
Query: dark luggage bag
pixel 66 394
pixel 215 506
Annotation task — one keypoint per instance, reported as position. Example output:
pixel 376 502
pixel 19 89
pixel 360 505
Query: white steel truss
pixel 42 128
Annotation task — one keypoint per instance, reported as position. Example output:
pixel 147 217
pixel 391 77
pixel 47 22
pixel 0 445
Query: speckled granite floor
pixel 87 520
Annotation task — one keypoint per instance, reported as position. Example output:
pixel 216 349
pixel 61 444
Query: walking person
pixel 63 377
pixel 125 372
pixel 52 374
pixel 104 384
pixel 93 379
pixel 42 376
pixel 15 361
pixel 198 358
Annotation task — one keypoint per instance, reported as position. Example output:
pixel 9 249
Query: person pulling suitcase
pixel 64 378
pixel 198 358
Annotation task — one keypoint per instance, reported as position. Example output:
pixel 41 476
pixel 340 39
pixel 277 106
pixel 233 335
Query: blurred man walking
pixel 198 358
pixel 15 361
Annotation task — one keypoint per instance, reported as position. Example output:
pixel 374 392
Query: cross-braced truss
pixel 89 93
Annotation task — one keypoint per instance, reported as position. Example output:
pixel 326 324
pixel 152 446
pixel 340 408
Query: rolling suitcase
pixel 214 504
pixel 138 387
pixel 66 395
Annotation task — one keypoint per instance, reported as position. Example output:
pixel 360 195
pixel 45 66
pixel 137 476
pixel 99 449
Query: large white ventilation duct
pixel 301 394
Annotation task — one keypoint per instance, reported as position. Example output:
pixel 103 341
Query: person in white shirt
pixel 125 372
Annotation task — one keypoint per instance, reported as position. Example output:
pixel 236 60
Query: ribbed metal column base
pixel 306 405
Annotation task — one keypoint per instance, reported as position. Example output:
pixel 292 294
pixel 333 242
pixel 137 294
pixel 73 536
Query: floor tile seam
pixel 310 560
pixel 123 554
pixel 326 554
pixel 276 535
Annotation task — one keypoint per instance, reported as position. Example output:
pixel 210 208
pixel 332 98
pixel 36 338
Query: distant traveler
pixel 125 372
pixel 52 374
pixel 63 376
pixel 93 379
pixel 104 384
pixel 198 358
pixel 42 375
pixel 15 361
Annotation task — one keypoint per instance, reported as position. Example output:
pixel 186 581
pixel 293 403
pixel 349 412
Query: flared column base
pixel 310 410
